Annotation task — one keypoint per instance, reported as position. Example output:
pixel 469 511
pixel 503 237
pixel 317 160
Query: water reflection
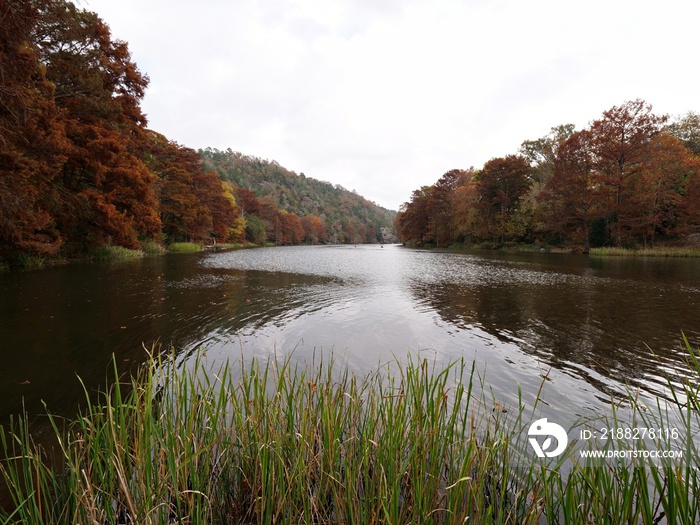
pixel 518 315
pixel 611 324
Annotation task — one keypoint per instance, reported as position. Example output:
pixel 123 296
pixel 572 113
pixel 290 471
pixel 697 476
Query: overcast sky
pixel 384 96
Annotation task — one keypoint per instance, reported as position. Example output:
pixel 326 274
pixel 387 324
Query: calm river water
pixel 594 326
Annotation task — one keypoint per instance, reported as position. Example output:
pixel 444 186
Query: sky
pixel 385 96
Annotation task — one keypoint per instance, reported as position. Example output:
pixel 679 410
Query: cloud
pixel 383 97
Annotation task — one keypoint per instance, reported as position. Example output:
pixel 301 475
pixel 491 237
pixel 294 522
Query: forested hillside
pixel 629 179
pixel 80 169
pixel 344 215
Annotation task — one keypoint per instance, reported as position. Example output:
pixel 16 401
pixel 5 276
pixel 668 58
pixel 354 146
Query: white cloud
pixel 383 97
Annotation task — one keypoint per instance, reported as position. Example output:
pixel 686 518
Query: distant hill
pixel 348 217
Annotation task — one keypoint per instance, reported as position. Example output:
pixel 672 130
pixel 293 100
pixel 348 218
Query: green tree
pixel 687 130
pixel 541 153
pixel 255 229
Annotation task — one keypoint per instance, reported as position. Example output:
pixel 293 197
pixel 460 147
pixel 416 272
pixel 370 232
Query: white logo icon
pixel 543 428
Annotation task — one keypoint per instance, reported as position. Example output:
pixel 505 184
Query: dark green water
pixel 595 325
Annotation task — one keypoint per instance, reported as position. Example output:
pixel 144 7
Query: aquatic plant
pixel 280 441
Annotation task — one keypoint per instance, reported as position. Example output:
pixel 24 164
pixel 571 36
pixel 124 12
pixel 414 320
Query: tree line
pixel 328 212
pixel 79 167
pixel 630 178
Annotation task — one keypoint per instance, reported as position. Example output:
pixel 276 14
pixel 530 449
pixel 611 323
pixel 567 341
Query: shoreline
pixel 661 251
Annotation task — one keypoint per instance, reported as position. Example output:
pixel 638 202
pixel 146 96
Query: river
pixel 594 327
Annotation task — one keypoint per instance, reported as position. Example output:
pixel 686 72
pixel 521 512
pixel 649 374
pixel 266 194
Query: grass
pixel 114 253
pixel 664 251
pixel 278 442
pixel 153 247
pixel 184 247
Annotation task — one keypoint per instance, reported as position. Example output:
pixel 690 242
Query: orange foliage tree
pixel 106 192
pixel 620 142
pixel 314 229
pixel 32 139
pixel 626 179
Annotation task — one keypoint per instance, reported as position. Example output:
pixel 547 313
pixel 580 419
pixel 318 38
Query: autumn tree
pixel 442 205
pixel 412 221
pixel 292 231
pixel 502 182
pixel 657 195
pixel 467 219
pixel 569 200
pixel 32 139
pixel 620 142
pixel 314 229
pixel 106 191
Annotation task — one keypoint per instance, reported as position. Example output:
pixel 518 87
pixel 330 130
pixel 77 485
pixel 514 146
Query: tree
pixel 502 182
pixel 292 229
pixel 442 207
pixel 32 139
pixel 412 220
pixel 569 200
pixel 314 229
pixel 106 192
pixel 620 142
pixel 540 153
pixel 687 130
pixel 255 229
pixel 467 220
pixel 657 194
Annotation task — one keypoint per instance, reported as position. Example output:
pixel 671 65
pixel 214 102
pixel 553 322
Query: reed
pixel 279 441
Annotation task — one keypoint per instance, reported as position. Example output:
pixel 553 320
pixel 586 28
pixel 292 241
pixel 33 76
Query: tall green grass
pixel 282 442
pixel 113 253
pixel 184 247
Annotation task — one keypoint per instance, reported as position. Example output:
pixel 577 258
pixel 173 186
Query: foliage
pixel 625 180
pixel 266 189
pixel 79 169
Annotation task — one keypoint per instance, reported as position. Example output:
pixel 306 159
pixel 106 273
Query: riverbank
pixel 280 442
pixel 664 251
pixel 660 251
pixel 117 253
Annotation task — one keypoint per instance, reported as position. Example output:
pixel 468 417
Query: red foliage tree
pixel 569 200
pixel 658 203
pixel 314 229
pixel 413 219
pixel 620 142
pixel 107 192
pixel 32 139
